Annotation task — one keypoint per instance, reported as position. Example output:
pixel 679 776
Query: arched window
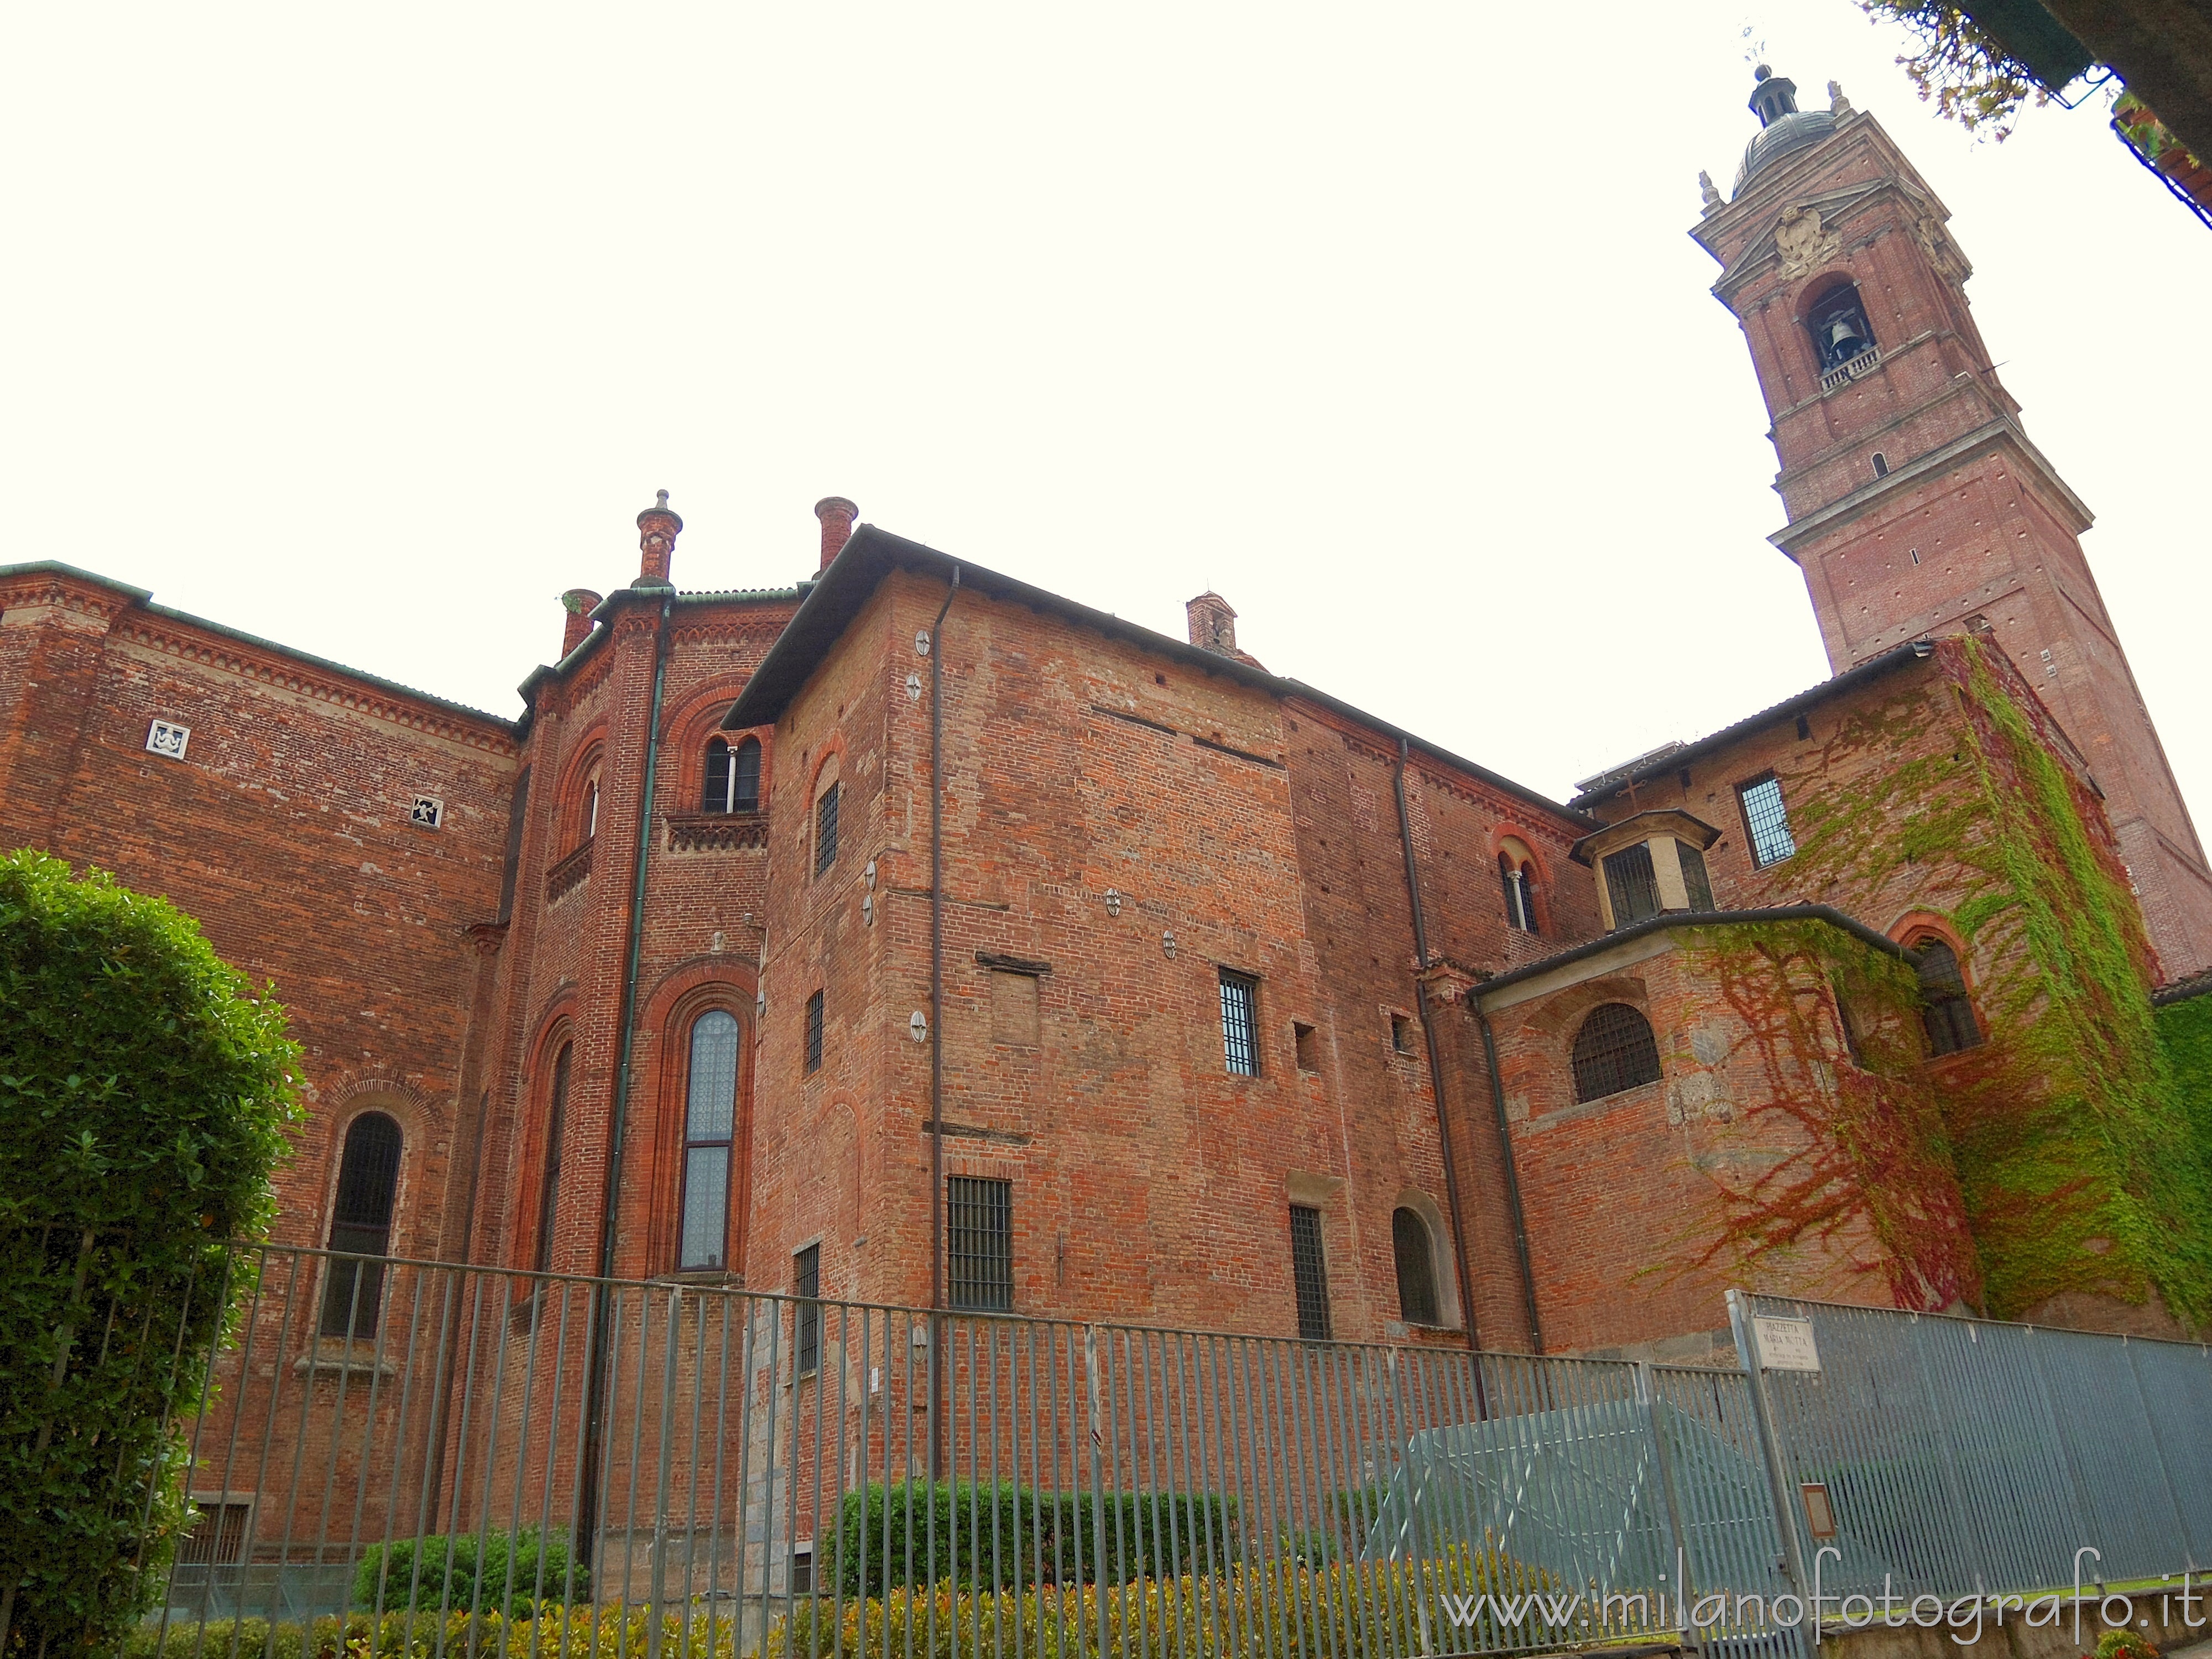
pixel 591 813
pixel 1837 324
pixel 1615 1050
pixel 1943 1005
pixel 732 776
pixel 548 1180
pixel 1417 1268
pixel 710 1116
pixel 1519 878
pixel 361 1225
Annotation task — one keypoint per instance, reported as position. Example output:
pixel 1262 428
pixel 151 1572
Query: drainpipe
pixel 1512 1178
pixel 937 1016
pixel 600 1362
pixel 1435 1063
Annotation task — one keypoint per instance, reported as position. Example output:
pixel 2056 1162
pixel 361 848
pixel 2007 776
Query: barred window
pixel 1944 1008
pixel 1631 885
pixel 814 1033
pixel 1695 881
pixel 217 1533
pixel 807 1334
pixel 1766 820
pixel 361 1225
pixel 1416 1267
pixel 825 830
pixel 979 1244
pixel 1310 1272
pixel 710 1117
pixel 549 1174
pixel 1615 1050
pixel 1240 1022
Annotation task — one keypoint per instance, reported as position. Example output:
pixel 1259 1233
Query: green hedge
pixel 145 1093
pixel 504 1573
pixel 1010 1536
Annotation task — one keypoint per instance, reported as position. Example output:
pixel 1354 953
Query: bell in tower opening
pixel 1837 324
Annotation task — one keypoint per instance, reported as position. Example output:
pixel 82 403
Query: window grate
pixel 1767 820
pixel 710 1117
pixel 1520 894
pixel 1417 1268
pixel 1945 1010
pixel 1240 1022
pixel 814 1033
pixel 807 1334
pixel 361 1225
pixel 1632 884
pixel 1615 1050
pixel 217 1534
pixel 979 1243
pixel 745 782
pixel 549 1187
pixel 825 830
pixel 1695 880
pixel 1309 1270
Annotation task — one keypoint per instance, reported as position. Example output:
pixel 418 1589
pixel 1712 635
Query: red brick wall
pixel 1992 533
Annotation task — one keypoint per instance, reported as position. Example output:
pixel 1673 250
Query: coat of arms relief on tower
pixel 1803 242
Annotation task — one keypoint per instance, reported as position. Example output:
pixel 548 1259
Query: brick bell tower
pixel 1918 506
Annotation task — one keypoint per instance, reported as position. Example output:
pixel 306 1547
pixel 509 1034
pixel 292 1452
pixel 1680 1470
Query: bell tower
pixel 1916 504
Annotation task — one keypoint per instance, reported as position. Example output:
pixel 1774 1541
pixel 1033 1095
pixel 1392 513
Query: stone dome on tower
pixel 1783 126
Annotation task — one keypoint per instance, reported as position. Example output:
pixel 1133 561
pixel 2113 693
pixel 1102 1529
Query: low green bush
pixel 1010 1537
pixel 507 1573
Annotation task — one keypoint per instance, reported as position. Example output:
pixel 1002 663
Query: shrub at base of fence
pixel 1012 1537
pixel 555 1632
pixel 1271 1610
pixel 509 1574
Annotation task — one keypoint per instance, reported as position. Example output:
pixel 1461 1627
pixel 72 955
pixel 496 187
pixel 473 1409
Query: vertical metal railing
pixel 1962 1457
pixel 398 1465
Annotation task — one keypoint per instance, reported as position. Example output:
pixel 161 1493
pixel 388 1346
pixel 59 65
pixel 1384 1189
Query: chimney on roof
pixel 1212 623
pixel 578 603
pixel 837 514
pixel 657 530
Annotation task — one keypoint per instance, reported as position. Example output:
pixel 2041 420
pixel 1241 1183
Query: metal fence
pixel 752 1466
pixel 1925 1455
pixel 729 1471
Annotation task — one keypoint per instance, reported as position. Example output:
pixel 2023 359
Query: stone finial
pixel 837 514
pixel 1837 104
pixel 657 527
pixel 578 603
pixel 1706 189
pixel 1212 623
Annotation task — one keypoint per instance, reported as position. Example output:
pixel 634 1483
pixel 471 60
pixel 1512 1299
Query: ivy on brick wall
pixel 1871 1162
pixel 2079 1168
pixel 2184 1031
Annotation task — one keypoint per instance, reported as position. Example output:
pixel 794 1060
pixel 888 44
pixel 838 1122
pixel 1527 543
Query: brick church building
pixel 912 933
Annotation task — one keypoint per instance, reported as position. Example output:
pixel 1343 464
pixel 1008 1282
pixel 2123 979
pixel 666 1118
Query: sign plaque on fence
pixel 1786 1344
pixel 1819 1513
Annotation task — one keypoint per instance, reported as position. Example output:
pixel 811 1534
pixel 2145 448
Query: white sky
pixel 372 331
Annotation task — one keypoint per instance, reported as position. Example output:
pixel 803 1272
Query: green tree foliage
pixel 1959 67
pixel 145 1093
pixel 507 1573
